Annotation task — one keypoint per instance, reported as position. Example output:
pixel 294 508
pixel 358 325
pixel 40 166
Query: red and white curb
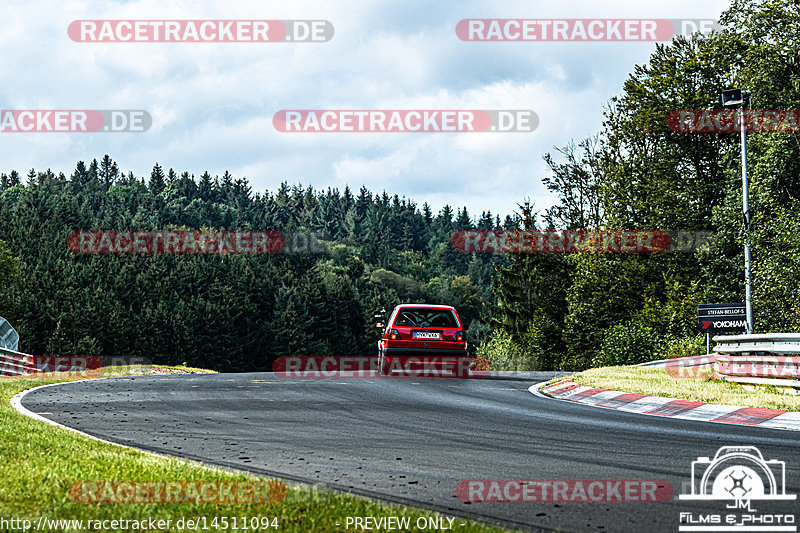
pixel 669 407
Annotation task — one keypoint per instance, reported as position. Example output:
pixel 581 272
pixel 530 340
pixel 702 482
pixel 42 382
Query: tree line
pixel 581 310
pixel 228 312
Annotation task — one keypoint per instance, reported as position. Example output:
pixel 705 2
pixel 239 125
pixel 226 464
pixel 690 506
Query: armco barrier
pixel 759 359
pixel 16 363
pixel 9 338
pixel 687 362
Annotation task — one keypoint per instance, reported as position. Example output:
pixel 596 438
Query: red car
pixel 424 340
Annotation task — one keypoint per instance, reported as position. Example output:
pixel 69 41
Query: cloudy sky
pixel 212 103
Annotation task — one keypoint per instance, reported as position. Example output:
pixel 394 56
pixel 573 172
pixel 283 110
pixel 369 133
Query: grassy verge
pixel 657 382
pixel 40 462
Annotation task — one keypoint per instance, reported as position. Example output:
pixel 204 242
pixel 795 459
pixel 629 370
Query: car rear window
pixel 425 318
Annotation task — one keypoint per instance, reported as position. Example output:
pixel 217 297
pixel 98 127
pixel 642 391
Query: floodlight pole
pixel 748 291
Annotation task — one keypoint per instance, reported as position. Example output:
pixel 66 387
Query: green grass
pixel 39 463
pixel 658 382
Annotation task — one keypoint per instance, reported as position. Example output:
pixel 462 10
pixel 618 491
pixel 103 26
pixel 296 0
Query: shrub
pixel 504 353
pixel 683 347
pixel 628 343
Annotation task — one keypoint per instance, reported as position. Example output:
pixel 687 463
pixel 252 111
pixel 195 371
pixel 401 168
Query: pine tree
pixel 347 199
pixel 226 185
pixel 92 176
pixel 81 174
pixel 109 171
pixel 486 221
pixel 531 299
pixel 463 222
pixel 427 214
pixel 206 187
pixel 157 184
pixel 363 202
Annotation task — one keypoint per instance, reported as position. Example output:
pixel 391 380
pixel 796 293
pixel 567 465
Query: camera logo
pixel 738 473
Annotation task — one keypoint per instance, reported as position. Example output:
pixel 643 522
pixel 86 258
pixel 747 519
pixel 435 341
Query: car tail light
pixel 394 334
pixel 459 336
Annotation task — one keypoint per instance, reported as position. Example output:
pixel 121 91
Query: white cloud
pixel 212 104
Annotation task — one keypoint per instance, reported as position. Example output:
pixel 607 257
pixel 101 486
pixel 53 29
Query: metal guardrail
pixel 9 338
pixel 758 343
pixel 759 359
pixel 13 363
pixel 687 362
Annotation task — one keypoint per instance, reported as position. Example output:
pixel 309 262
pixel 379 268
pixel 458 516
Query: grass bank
pixel 699 388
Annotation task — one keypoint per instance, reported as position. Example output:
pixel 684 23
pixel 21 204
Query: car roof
pixel 427 306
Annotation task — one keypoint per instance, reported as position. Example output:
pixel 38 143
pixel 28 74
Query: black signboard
pixel 722 318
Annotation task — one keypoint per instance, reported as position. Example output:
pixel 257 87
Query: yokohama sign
pixel 722 318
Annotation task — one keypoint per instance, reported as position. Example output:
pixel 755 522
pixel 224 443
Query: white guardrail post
pixel 759 359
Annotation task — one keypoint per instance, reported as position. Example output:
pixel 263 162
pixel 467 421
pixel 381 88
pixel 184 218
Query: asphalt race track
pixel 412 440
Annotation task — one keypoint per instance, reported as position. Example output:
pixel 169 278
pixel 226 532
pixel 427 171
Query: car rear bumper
pixel 423 352
pixel 426 362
